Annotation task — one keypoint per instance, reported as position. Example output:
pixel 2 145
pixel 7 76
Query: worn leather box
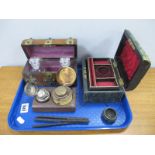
pixel 106 79
pixel 49 51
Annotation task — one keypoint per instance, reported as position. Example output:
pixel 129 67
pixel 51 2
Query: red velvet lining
pixel 130 60
pixel 92 71
pixel 100 74
pixel 106 83
pixel 104 71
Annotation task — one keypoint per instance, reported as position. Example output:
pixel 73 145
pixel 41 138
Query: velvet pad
pixel 129 59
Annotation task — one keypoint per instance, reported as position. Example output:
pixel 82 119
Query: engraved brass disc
pixel 66 76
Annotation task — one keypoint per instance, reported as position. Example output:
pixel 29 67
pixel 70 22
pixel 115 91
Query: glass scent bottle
pixel 65 62
pixel 35 63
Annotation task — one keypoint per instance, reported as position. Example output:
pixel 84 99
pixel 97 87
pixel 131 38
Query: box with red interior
pixel 106 79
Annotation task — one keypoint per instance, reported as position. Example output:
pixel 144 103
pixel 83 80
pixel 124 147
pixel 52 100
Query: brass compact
pixel 66 76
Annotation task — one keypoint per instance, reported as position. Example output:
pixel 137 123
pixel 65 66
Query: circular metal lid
pixel 109 115
pixel 43 95
pixel 30 89
pixel 62 95
pixel 66 76
pixel 60 91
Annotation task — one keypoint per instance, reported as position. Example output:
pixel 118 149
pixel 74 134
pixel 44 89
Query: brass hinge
pixel 131 43
pixel 48 42
pixel 32 79
pixel 28 42
pixel 70 41
pixel 115 64
pixel 84 73
pixel 121 81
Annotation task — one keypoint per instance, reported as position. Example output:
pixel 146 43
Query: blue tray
pixel 90 110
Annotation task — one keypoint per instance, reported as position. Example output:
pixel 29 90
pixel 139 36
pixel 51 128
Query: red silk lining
pixel 130 60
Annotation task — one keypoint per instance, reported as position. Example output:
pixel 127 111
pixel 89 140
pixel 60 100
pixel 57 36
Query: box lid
pixel 50 48
pixel 132 62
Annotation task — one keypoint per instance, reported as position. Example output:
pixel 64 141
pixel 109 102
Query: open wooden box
pixel 106 79
pixel 49 51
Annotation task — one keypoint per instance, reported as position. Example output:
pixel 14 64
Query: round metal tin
pixel 43 95
pixel 66 76
pixel 109 115
pixel 62 95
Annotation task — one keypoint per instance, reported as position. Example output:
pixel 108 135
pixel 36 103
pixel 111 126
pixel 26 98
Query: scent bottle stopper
pixel 65 62
pixel 35 63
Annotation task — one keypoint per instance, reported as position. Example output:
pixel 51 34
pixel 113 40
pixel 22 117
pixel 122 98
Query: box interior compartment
pixel 52 51
pixel 101 73
pixel 50 65
pixel 101 61
pixel 106 82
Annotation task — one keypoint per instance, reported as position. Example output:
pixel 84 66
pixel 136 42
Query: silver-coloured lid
pixel 43 95
pixel 30 89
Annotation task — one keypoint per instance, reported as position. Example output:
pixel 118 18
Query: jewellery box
pixel 106 79
pixel 50 55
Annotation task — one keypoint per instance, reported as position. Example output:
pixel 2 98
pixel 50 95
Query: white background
pixel 98 38
pixel 88 144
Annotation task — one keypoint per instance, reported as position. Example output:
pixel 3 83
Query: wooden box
pixel 106 79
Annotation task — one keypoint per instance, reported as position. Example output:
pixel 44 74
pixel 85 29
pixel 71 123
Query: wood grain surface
pixel 141 99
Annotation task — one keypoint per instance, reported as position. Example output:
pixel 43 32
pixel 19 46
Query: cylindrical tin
pixel 62 95
pixel 109 115
pixel 43 95
pixel 66 76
